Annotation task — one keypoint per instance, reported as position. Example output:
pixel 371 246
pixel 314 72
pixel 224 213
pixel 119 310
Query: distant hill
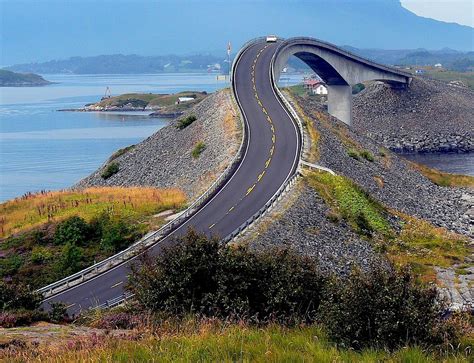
pixel 136 64
pixel 449 58
pixel 12 79
pixel 125 64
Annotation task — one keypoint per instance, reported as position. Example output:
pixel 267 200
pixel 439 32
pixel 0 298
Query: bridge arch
pixel 339 69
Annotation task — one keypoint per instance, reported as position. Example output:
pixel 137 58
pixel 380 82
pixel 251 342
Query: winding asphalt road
pixel 271 156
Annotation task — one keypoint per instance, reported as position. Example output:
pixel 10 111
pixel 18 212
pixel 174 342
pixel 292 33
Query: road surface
pixel 270 157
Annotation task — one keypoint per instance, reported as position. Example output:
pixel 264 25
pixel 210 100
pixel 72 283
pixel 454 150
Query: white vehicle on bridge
pixel 271 38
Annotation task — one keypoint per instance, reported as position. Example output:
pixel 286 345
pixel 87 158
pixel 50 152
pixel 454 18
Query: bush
pixel 74 230
pixel 58 312
pixel 18 296
pixel 353 154
pixel 203 276
pixel 185 122
pixel 359 87
pixel 71 259
pixel 383 308
pixel 110 170
pixel 198 149
pixel 367 155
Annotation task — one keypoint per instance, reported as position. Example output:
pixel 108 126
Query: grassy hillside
pixel 12 79
pixel 46 236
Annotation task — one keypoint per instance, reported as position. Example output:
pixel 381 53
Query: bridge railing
pixel 155 237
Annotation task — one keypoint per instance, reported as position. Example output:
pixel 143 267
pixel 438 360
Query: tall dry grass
pixel 33 210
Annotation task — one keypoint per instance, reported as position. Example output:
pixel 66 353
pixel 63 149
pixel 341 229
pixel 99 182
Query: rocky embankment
pixel 430 116
pixel 166 159
pixel 304 221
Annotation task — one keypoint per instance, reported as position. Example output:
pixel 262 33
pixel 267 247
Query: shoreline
pixel 153 113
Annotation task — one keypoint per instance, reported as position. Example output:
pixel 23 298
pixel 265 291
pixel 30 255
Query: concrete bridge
pixel 339 69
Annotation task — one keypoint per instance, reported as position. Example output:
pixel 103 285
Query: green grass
pixel 198 149
pixel 234 343
pixel 423 246
pixel 121 152
pixel 443 179
pixel 352 203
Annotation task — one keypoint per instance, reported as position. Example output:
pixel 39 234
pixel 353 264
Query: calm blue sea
pixel 42 149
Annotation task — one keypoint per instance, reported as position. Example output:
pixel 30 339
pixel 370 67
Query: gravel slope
pixel 430 116
pixel 165 159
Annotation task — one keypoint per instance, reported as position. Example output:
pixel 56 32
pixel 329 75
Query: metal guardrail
pixel 155 237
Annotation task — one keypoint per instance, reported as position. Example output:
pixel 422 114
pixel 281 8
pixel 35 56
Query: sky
pixel 43 30
pixel 453 11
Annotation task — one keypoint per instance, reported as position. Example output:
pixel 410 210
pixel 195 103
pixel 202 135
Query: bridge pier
pixel 340 102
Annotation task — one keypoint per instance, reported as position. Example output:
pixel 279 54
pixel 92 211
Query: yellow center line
pixel 264 111
pixel 261 175
pixel 269 119
pixel 273 138
pixel 267 162
pixel 272 149
pixel 212 225
pixel 272 128
pixel 117 284
pixel 231 208
pixel 259 103
pixel 249 190
pixel 256 95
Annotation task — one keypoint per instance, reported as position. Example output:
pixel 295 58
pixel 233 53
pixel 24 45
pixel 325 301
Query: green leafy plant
pixel 353 154
pixel 384 308
pixel 186 121
pixel 111 169
pixel 206 277
pixel 367 155
pixel 198 149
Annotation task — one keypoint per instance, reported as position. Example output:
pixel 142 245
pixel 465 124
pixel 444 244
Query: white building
pixel 320 89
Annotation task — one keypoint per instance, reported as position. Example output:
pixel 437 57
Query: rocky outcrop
pixel 165 159
pixel 430 116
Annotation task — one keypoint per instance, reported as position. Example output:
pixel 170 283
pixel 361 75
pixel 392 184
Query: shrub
pixel 118 320
pixel 110 170
pixel 359 87
pixel 7 320
pixel 367 155
pixel 71 259
pixel 10 265
pixel 58 312
pixel 203 276
pixel 185 122
pixel 383 308
pixel 198 149
pixel 353 154
pixel 40 255
pixel 117 235
pixel 74 230
pixel 18 296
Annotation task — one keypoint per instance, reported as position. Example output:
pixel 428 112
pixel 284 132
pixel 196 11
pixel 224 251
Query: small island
pixel 160 105
pixel 13 79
